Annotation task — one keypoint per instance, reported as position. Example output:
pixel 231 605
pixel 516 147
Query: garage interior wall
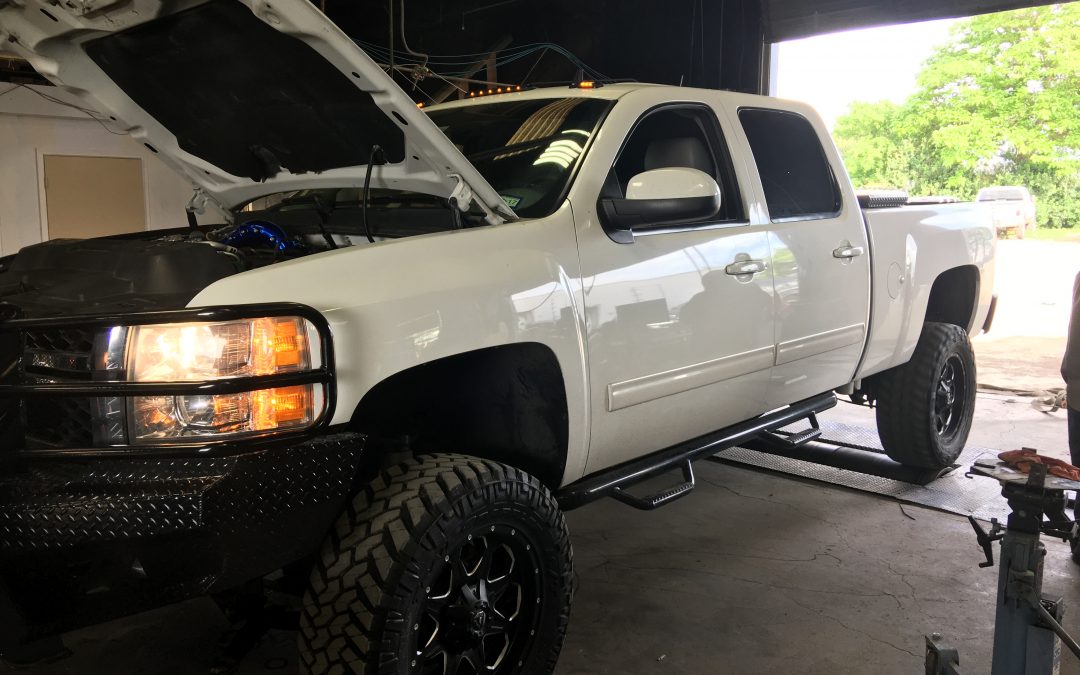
pixel 30 128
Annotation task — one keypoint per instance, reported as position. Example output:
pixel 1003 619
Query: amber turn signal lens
pixel 282 407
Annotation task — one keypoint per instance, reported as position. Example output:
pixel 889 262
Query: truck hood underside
pixel 243 97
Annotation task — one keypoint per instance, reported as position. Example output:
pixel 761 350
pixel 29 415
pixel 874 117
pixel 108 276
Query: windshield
pixel 527 150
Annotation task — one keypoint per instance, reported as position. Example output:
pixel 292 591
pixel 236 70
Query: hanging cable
pixel 456 64
pixel 390 4
pixel 404 42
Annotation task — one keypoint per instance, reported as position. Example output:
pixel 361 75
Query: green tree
pixel 999 103
pixel 871 146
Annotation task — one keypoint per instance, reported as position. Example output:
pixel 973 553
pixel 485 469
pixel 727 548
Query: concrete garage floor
pixel 752 573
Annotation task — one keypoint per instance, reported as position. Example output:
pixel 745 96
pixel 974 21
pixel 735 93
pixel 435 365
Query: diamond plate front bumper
pixel 88 539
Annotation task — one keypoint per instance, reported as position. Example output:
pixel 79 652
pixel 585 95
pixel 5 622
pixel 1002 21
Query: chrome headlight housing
pixel 244 351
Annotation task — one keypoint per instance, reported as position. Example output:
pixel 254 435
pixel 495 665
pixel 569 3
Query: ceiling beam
pixel 793 19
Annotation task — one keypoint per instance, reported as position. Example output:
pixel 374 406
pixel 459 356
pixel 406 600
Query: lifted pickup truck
pixel 414 337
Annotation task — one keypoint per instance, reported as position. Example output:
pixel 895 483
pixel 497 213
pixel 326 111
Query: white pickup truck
pixel 1012 207
pixel 410 338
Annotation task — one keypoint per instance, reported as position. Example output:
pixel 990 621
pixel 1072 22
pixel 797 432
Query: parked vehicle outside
pixel 1012 208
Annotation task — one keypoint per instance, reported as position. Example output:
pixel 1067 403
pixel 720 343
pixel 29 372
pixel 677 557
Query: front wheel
pixel 445 565
pixel 925 407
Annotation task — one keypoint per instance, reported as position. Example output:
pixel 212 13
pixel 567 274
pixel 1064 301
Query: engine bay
pixel 165 269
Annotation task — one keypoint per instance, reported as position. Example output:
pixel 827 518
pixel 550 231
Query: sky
pixel 873 64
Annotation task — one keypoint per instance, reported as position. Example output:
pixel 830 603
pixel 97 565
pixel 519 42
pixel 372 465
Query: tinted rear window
pixel 795 174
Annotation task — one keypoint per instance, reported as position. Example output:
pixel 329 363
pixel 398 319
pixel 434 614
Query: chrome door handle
pixel 848 251
pixel 742 267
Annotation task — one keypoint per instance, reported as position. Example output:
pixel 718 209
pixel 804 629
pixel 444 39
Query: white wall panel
pixel 31 127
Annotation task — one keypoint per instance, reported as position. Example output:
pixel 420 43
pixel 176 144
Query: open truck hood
pixel 244 97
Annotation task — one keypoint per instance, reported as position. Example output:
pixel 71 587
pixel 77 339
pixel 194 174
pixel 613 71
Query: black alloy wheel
pixel 481 612
pixel 949 397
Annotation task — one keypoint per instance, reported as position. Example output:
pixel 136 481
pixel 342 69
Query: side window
pixel 795 174
pixel 683 136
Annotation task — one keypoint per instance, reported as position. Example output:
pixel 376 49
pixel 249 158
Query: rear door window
pixel 795 174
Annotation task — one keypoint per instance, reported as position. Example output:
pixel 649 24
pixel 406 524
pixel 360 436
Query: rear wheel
pixel 445 565
pixel 925 407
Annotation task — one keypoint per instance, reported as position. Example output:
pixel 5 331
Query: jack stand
pixel 941 659
pixel 1027 627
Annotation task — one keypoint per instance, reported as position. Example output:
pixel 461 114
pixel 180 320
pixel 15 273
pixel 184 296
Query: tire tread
pixel 348 619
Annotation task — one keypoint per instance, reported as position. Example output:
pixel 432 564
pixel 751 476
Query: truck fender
pixel 396 305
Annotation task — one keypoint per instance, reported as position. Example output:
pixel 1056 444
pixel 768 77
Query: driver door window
pixel 682 136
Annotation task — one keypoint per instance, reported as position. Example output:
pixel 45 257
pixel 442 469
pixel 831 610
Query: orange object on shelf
pixel 1022 460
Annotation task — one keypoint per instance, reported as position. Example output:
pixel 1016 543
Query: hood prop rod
pixel 376 152
pixel 323 211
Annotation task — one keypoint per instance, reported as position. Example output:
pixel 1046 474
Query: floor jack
pixel 1027 628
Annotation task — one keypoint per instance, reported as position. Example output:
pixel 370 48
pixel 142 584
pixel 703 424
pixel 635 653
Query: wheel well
pixel 506 403
pixel 952 297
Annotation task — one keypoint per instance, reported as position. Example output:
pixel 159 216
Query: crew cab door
pixel 679 319
pixel 821 259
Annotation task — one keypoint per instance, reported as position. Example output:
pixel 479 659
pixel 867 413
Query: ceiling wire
pixel 405 44
pixel 534 65
pixel 503 57
pixel 92 114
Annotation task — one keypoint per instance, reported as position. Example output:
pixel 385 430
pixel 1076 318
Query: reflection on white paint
pixel 562 152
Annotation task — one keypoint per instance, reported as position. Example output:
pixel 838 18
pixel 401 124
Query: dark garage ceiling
pixel 706 43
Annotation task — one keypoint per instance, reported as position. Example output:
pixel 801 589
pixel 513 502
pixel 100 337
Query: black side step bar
pixel 797 439
pixel 612 482
pixel 661 498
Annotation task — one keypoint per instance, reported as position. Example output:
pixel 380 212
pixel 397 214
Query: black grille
pixel 62 353
pixel 72 340
pixel 59 423
pixel 57 355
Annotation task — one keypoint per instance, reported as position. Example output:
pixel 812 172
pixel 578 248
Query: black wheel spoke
pixel 496 589
pixel 481 654
pixel 434 650
pixel 487 561
pixel 457 661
